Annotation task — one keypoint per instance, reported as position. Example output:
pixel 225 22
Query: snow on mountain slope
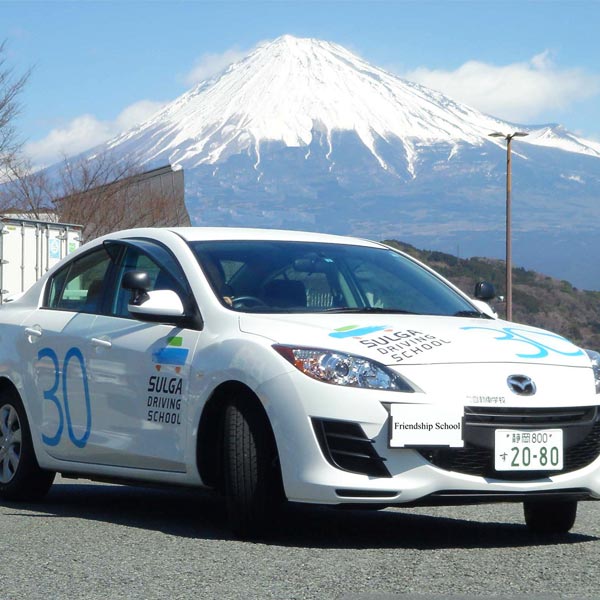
pixel 289 88
pixel 556 136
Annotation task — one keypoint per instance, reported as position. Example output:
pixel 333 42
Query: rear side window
pixel 79 286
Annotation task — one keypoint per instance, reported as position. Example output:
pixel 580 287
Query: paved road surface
pixel 101 541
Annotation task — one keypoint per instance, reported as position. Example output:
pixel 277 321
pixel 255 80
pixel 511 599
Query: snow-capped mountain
pixel 288 88
pixel 303 133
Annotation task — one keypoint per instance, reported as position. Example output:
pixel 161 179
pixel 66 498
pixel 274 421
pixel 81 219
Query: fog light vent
pixel 345 446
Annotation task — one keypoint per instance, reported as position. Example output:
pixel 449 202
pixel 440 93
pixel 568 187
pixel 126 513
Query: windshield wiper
pixel 471 313
pixel 370 310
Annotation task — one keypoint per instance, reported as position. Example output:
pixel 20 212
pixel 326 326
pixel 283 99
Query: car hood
pixel 419 339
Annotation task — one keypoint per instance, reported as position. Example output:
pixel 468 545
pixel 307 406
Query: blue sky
pixel 100 67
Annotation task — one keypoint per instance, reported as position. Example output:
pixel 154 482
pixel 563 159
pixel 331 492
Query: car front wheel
pixel 20 475
pixel 552 517
pixel 252 475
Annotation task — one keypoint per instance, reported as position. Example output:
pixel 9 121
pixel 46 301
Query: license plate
pixel 518 450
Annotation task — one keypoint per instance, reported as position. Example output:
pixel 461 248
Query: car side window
pixel 163 276
pixel 79 286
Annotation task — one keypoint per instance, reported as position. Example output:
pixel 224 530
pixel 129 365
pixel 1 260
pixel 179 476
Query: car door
pixel 139 372
pixel 56 345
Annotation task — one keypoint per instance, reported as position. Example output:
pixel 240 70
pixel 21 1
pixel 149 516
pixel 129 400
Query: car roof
pixel 193 234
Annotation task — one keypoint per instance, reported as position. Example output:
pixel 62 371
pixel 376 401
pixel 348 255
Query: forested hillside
pixel 537 299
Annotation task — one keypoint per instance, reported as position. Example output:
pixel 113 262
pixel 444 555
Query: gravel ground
pixel 91 540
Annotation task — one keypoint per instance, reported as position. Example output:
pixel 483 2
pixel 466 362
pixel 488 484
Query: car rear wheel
pixel 20 475
pixel 552 517
pixel 252 475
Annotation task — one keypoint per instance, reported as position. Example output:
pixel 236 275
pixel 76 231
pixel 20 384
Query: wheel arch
pixel 6 385
pixel 28 481
pixel 209 438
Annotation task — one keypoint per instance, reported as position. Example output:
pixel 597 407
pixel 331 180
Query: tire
pixel 20 475
pixel 552 517
pixel 252 475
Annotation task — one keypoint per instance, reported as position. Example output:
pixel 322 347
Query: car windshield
pixel 280 276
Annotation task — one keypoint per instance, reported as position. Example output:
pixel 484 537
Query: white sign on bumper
pixel 425 425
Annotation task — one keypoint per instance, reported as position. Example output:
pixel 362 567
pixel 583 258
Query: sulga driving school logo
pixel 165 389
pixel 398 346
pixel 355 331
pixel 171 355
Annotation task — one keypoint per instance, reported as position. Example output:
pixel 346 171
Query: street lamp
pixel 508 138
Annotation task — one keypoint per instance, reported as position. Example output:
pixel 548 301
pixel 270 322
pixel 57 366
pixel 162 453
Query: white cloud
pixel 518 92
pixel 136 113
pixel 209 64
pixel 86 131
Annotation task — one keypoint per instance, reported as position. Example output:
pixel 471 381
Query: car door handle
pixel 35 331
pixel 101 342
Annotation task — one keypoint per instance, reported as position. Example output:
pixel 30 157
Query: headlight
pixel 339 368
pixel 595 358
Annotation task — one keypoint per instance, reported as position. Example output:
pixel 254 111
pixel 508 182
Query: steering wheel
pixel 247 302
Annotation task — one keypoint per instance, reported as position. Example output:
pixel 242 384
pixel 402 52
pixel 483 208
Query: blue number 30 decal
pixel 50 395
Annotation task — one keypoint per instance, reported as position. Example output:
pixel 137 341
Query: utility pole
pixel 508 137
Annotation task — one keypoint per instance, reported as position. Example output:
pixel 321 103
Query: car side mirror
pixel 138 283
pixel 485 291
pixel 158 305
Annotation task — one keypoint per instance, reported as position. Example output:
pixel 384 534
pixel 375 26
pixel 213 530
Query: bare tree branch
pixel 103 192
pixel 106 193
pixel 10 88
pixel 25 190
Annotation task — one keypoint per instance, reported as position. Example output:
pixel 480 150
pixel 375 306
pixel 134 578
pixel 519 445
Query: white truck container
pixel 28 248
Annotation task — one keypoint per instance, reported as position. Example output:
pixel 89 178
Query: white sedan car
pixel 272 365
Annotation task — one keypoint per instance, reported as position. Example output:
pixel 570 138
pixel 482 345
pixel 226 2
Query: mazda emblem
pixel 521 385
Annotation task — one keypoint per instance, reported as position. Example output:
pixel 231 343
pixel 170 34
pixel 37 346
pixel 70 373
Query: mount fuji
pixel 304 134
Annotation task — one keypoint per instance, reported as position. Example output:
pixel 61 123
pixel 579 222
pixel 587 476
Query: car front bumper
pixel 298 406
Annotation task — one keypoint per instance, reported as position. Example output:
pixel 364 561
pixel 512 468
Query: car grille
pixel 544 418
pixel 345 446
pixel 581 434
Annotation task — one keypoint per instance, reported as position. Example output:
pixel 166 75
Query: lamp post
pixel 508 137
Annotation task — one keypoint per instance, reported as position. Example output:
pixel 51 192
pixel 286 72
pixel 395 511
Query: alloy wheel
pixel 10 442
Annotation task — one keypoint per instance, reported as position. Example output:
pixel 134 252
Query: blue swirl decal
pixel 543 348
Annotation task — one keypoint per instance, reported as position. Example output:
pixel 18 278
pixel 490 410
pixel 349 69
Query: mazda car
pixel 274 366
